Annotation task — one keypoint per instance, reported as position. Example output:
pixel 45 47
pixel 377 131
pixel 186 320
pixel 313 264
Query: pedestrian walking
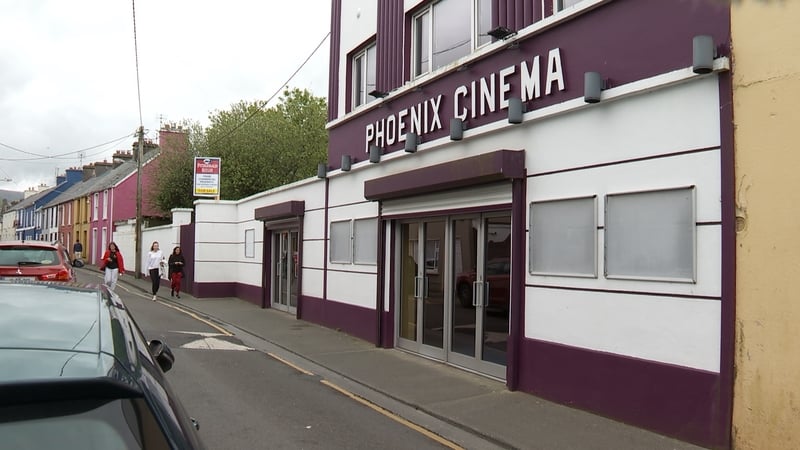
pixel 113 265
pixel 176 263
pixel 155 265
pixel 77 250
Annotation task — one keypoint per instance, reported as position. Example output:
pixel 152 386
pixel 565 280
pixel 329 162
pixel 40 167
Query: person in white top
pixel 155 262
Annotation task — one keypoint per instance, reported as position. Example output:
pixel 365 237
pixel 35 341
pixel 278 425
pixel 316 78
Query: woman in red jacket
pixel 113 265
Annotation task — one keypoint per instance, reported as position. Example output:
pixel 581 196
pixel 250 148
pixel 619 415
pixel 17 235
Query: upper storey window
pixel 563 4
pixel 444 31
pixel 363 76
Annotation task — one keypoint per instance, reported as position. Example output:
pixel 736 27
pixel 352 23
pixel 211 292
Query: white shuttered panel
pixel 470 197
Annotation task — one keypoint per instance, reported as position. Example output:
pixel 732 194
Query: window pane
pixel 358 81
pixel 422 43
pixel 562 4
pixel 484 25
pixel 651 234
pixel 340 242
pixel 365 232
pixel 370 74
pixel 451 32
pixel 563 237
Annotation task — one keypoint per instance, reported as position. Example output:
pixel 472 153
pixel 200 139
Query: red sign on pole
pixel 206 176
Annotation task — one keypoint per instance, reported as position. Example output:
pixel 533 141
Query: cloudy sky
pixel 68 71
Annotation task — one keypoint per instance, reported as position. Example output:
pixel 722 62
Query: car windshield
pixel 28 255
pixel 85 424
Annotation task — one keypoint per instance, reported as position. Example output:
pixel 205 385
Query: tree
pixel 263 149
pixel 260 149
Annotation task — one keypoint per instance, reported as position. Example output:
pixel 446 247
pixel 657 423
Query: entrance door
pixel 285 270
pixel 481 248
pixel 455 290
pixel 423 287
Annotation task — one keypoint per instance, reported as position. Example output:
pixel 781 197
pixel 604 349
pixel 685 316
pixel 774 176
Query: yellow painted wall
pixel 766 77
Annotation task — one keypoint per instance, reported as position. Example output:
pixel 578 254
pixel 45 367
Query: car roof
pixel 31 243
pixel 61 330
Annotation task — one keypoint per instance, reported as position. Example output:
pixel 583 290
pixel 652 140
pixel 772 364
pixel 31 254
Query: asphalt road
pixel 247 396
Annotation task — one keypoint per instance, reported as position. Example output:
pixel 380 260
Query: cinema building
pixel 537 191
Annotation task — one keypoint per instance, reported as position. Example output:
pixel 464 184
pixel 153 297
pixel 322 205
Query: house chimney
pixel 88 172
pixel 121 157
pixel 101 168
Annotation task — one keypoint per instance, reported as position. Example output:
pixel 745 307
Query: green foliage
pixel 260 149
pixel 273 147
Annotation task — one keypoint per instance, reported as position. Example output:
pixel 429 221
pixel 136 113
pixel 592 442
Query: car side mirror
pixel 162 353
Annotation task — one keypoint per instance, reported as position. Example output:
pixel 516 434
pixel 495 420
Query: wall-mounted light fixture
pixel 378 94
pixel 703 53
pixel 501 33
pixel 515 110
pixel 457 127
pixel 593 85
pixel 374 153
pixel 322 170
pixel 346 163
pixel 412 140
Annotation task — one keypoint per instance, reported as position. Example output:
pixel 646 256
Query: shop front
pixel 452 259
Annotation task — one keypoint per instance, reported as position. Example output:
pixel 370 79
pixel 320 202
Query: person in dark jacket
pixel 112 265
pixel 176 263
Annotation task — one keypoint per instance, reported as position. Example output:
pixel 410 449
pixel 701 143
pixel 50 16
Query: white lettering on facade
pixel 461 91
pixel 529 80
pixel 505 87
pixel 436 122
pixel 554 72
pixel 401 125
pixel 487 93
pixel 390 129
pixel 416 119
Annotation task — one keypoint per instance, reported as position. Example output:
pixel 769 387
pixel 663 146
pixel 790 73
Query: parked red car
pixel 498 278
pixel 35 260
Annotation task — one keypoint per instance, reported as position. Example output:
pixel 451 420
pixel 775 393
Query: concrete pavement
pixel 478 405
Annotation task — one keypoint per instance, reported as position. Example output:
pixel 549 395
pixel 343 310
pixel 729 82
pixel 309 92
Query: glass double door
pixel 454 301
pixel 285 269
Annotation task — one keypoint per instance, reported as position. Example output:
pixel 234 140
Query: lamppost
pixel 138 237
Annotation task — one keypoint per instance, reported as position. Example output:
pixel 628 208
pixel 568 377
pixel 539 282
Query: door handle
pixel 417 287
pixel 476 287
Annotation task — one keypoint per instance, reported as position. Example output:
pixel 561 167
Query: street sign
pixel 206 176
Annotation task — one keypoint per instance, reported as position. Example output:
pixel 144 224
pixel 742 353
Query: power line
pixel 278 91
pixel 39 157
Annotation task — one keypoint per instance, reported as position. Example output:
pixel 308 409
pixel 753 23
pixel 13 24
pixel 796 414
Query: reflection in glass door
pixel 479 314
pixel 423 287
pixel 285 270
pixel 455 290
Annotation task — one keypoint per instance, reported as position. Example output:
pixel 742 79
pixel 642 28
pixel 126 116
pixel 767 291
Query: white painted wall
pixel 168 236
pixel 623 316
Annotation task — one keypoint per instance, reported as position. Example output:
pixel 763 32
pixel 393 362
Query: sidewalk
pixel 476 404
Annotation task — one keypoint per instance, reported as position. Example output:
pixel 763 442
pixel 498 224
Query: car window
pixel 85 424
pixel 24 255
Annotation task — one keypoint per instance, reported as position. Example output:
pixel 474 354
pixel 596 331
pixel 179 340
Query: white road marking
pixel 212 343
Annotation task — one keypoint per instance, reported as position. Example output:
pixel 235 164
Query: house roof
pixel 103 181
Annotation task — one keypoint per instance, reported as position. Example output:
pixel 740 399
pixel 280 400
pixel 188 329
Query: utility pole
pixel 138 237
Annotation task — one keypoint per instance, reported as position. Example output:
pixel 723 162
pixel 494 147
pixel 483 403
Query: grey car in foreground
pixel 77 373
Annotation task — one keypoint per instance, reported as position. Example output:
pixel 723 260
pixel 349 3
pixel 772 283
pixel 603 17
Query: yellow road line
pixel 423 431
pixel 293 366
pixel 196 317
